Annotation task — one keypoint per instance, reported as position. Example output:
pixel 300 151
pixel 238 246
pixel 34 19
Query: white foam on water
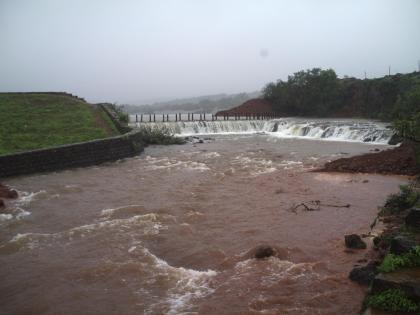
pixel 315 129
pixel 189 285
pixel 147 224
pixel 107 213
pixel 211 155
pixel 167 163
pixel 25 198
pixel 5 217
pixel 255 166
pixel 13 213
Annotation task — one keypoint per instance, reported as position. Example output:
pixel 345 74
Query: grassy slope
pixel 33 121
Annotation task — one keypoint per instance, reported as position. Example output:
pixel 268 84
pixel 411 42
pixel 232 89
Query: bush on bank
pixel 158 135
pixel 406 198
pixel 393 300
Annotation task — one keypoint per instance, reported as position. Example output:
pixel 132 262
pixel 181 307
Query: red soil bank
pixel 400 160
pixel 253 106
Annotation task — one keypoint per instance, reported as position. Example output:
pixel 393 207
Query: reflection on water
pixel 168 232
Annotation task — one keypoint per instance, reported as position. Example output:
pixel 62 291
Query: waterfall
pixel 320 129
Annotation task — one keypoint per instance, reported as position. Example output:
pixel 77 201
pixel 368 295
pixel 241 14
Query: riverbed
pixel 170 231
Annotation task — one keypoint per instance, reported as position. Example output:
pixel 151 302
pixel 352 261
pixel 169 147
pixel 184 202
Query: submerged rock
pixel 264 251
pixel 401 245
pixel 354 241
pixel 6 192
pixel 413 218
pixel 363 275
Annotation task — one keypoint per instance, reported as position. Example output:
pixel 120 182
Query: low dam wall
pixel 71 155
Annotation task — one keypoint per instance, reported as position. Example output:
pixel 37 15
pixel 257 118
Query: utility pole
pixel 365 74
pixel 389 70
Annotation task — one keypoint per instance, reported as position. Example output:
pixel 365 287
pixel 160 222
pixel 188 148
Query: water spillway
pixel 317 129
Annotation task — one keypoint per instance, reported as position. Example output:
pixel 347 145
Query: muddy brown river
pixel 171 232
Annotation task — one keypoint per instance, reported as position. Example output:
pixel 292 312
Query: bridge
pixel 186 117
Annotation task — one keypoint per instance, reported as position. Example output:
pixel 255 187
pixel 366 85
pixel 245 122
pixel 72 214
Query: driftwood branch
pixel 315 205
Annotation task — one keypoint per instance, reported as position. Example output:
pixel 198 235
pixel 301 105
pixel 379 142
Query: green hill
pixel 39 120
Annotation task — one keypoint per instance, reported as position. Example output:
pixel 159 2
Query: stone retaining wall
pixel 72 155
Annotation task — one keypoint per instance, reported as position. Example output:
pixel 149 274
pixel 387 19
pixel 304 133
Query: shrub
pixel 394 300
pixel 406 198
pixel 393 262
pixel 158 135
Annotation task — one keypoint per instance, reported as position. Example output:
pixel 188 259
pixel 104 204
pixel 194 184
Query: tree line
pixel 320 93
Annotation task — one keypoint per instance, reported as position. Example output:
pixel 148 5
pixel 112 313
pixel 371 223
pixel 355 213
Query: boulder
pixel 6 192
pixel 401 244
pixel 395 139
pixel 363 275
pixel 413 218
pixel 264 251
pixel 354 241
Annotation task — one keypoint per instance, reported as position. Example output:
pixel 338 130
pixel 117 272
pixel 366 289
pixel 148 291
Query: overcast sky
pixel 128 51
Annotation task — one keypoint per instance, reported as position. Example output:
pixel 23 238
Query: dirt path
pixel 101 122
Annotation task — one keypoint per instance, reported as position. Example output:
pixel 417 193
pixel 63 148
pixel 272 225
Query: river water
pixel 172 230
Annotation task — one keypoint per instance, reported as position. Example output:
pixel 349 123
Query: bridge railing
pixel 185 117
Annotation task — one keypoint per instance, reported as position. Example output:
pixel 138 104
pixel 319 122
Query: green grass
pixel 393 300
pixel 393 262
pixel 34 121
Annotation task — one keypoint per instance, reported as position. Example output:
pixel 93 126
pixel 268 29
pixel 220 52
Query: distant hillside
pixel 208 104
pixel 39 120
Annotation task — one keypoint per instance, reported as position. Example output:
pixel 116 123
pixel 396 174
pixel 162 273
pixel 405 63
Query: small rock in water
pixel 413 218
pixel 264 251
pixel 354 241
pixel 2 203
pixel 6 192
pixel 363 275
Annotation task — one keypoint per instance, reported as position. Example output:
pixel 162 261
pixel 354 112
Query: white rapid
pixel 319 129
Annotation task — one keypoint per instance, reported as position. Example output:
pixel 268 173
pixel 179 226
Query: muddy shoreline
pixel 396 161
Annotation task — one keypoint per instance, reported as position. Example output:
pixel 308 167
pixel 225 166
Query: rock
pixel 264 251
pixel 354 241
pixel 201 141
pixel 2 203
pixel 395 139
pixel 413 218
pixel 6 192
pixel 407 280
pixel 363 275
pixel 401 245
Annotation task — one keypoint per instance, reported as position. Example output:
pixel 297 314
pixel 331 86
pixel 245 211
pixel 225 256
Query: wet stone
pixel 354 241
pixel 263 252
pixel 363 275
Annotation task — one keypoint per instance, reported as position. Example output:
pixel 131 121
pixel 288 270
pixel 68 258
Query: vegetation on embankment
pixel 39 120
pixel 398 252
pixel 158 135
